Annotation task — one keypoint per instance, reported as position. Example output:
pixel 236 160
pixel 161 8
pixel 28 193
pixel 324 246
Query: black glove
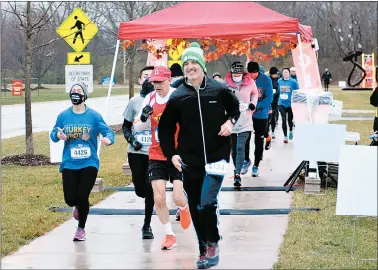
pixel 137 145
pixel 251 106
pixel 146 112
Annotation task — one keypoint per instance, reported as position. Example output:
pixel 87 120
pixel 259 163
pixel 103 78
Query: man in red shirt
pixel 159 169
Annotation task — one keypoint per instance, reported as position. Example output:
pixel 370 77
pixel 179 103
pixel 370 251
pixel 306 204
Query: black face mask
pixel 76 98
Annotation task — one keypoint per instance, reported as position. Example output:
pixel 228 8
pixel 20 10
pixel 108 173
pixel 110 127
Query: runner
pixel 79 127
pixel 260 116
pixel 159 169
pixel 286 86
pixel 138 136
pixel 293 74
pixel 246 91
pixel 205 110
pixel 273 74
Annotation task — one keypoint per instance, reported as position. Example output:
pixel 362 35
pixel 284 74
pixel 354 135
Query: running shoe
pixel 169 242
pixel 212 254
pixel 75 213
pixel 255 171
pixel 185 218
pixel 245 166
pixel 237 181
pixel 79 235
pixel 147 232
pixel 286 140
pixel 291 135
pixel 273 135
pixel 268 142
pixel 202 260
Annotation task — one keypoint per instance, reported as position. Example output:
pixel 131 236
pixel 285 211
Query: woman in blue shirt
pixel 286 86
pixel 79 128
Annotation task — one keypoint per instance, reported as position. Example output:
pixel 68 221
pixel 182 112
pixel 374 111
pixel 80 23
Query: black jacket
pixel 218 104
pixel 276 95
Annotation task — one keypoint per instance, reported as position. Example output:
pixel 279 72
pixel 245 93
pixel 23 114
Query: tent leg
pixel 110 89
pixel 302 58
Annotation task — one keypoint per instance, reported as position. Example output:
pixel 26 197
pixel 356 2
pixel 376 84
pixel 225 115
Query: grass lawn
pixel 356 100
pixel 57 92
pixel 28 192
pixel 322 240
pixel 363 127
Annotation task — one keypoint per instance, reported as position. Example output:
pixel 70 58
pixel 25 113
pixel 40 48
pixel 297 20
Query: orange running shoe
pixel 185 218
pixel 169 242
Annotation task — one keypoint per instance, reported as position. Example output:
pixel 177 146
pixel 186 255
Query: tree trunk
pixel 131 72
pixel 28 63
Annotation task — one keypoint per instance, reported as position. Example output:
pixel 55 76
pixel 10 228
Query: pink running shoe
pixel 75 213
pixel 79 235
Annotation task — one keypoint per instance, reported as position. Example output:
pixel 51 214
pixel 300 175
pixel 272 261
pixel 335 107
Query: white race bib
pixel 217 168
pixel 284 96
pixel 156 135
pixel 144 137
pixel 243 107
pixel 80 152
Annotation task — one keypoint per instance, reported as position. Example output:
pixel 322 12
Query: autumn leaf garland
pixel 215 48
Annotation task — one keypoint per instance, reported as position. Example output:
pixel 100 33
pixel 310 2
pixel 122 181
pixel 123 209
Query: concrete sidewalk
pixel 114 242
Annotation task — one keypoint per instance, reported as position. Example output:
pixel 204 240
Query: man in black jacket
pixel 205 111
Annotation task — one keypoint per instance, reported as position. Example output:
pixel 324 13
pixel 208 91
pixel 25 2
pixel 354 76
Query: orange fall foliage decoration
pixel 215 48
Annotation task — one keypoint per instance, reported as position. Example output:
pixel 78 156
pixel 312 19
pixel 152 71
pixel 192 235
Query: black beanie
pixel 253 67
pixel 273 70
pixel 176 70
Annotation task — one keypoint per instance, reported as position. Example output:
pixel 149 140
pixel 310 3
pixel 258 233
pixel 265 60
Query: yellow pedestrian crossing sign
pixel 77 30
pixel 83 58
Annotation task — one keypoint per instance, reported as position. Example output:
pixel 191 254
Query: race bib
pixel 217 168
pixel 156 135
pixel 243 107
pixel 284 96
pixel 144 138
pixel 80 152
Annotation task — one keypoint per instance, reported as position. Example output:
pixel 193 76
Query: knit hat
pixel 194 52
pixel 253 67
pixel 216 74
pixel 273 70
pixel 292 69
pixel 83 86
pixel 176 70
pixel 237 67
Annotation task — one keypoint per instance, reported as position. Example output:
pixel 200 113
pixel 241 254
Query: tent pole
pixel 110 89
pixel 302 59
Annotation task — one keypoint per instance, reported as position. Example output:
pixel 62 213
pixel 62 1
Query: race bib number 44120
pixel 80 152
pixel 217 168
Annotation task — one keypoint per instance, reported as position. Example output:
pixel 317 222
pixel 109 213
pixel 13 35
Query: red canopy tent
pixel 223 20
pixel 217 20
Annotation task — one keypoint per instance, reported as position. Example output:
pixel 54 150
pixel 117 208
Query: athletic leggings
pixel 274 118
pixel 77 186
pixel 259 126
pixel 283 110
pixel 139 171
pixel 247 146
pixel 238 149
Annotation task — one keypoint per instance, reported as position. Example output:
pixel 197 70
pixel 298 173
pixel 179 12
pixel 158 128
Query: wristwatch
pixel 233 121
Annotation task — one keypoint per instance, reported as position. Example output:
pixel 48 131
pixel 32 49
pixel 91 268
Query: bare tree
pixel 31 21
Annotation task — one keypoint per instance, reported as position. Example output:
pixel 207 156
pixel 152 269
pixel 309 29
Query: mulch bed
pixel 27 160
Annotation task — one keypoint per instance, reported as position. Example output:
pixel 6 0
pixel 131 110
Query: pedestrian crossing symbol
pixel 77 30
